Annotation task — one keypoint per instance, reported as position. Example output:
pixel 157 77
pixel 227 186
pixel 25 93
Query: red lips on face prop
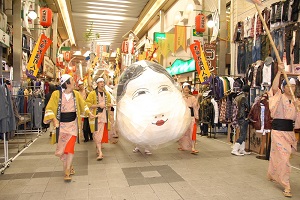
pixel 160 122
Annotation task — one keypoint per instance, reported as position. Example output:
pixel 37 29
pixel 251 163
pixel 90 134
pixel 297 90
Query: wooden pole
pixel 276 51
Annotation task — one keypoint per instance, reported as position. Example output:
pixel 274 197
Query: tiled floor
pixel 166 174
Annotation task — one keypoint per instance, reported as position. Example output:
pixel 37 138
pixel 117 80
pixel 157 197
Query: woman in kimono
pixel 188 140
pixel 64 109
pixel 284 113
pixel 99 102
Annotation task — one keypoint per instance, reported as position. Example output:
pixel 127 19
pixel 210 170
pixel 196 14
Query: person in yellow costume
pixel 64 109
pixel 99 102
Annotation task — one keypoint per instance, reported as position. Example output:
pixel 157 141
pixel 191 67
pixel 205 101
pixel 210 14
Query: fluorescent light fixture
pixel 151 12
pixel 66 17
pixel 108 4
pixel 108 24
pixel 86 54
pixel 95 21
pixel 109 17
pixel 103 43
pixel 113 9
pixel 32 15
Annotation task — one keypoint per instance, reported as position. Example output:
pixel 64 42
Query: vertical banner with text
pixel 180 37
pixel 37 56
pixel 200 60
pixel 210 54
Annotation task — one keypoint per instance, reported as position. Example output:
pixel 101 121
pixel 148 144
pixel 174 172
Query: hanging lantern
pixel 67 56
pixel 125 46
pixel 45 17
pixel 200 23
pixel 59 63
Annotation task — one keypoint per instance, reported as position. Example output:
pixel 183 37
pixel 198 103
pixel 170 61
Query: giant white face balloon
pixel 150 109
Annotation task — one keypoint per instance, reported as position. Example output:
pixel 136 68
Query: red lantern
pixel 45 17
pixel 59 64
pixel 67 56
pixel 200 23
pixel 125 47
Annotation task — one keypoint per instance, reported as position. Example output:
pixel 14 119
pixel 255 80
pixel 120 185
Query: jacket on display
pixel 254 74
pixel 239 32
pixel 255 114
pixel 7 117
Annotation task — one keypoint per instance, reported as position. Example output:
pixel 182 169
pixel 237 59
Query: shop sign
pixel 48 67
pixel 181 66
pixel 65 49
pixel 4 38
pixel 210 53
pixel 158 35
pixel 196 36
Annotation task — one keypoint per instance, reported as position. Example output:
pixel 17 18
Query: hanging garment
pixel 7 117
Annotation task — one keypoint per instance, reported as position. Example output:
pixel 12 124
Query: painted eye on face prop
pixel 164 88
pixel 140 92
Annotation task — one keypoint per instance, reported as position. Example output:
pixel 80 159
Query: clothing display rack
pixel 22 137
pixel 6 158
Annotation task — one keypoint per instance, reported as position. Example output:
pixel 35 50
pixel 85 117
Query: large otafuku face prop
pixel 150 109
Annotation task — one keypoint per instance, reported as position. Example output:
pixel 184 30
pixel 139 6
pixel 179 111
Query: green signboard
pixel 157 36
pixel 182 66
pixel 65 49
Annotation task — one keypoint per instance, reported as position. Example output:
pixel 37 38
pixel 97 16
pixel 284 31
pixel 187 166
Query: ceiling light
pixel 32 15
pixel 95 21
pixel 104 24
pixel 106 17
pixel 189 8
pixel 66 17
pixel 103 43
pixel 210 24
pixel 113 9
pixel 107 4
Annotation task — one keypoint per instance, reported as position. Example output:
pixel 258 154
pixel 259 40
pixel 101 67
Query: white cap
pixel 99 80
pixel 292 81
pixel 185 84
pixel 80 82
pixel 64 78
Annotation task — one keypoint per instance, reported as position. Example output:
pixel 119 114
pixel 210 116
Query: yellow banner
pixel 161 47
pixel 180 37
pixel 170 38
pixel 31 65
pixel 205 71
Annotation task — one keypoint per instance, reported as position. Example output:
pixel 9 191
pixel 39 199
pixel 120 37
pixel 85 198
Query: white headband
pixel 99 80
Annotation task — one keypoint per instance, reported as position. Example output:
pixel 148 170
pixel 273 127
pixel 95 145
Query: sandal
pixel 99 158
pixel 180 149
pixel 195 152
pixel 287 193
pixel 72 171
pixel 67 176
